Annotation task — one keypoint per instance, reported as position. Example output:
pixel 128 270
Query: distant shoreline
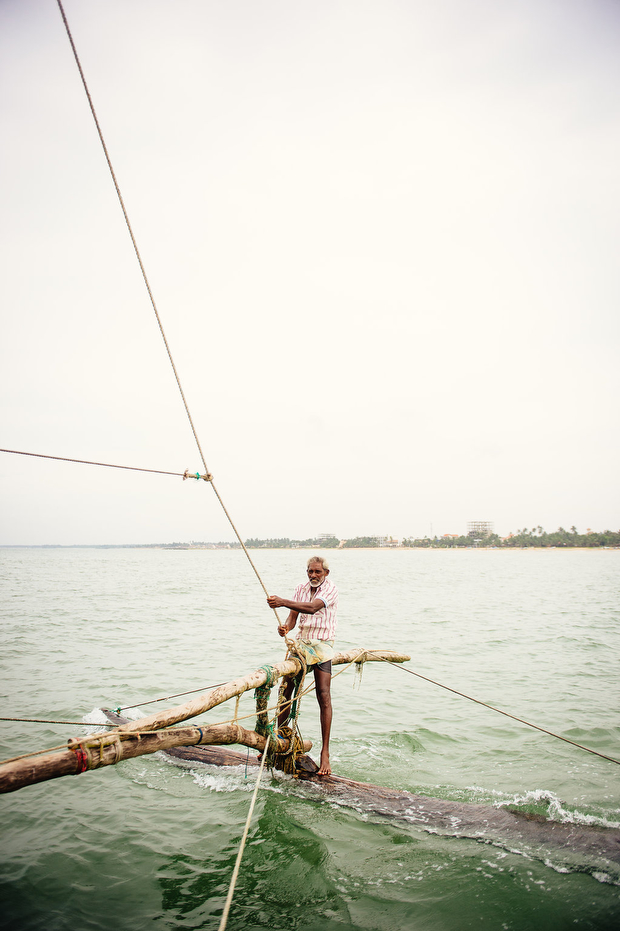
pixel 235 547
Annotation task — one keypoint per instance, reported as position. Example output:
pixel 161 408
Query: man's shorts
pixel 317 653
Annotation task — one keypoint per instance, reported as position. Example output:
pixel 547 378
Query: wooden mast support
pixel 96 751
pixel 153 733
pixel 223 693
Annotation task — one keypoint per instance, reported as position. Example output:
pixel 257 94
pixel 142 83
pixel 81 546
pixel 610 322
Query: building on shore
pixel 479 528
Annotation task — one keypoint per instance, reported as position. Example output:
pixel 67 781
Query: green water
pixel 152 844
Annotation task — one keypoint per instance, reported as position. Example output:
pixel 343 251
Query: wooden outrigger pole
pixel 157 732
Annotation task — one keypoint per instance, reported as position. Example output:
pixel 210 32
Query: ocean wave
pixel 547 805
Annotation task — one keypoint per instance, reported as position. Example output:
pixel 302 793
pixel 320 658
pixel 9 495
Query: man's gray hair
pixel 320 559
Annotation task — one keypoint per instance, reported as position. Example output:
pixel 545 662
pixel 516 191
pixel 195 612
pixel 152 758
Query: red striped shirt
pixel 322 625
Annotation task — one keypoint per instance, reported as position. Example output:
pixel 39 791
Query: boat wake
pixel 574 844
pixel 535 825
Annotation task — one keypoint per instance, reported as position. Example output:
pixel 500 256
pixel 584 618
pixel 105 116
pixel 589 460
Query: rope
pixel 26 756
pixel 107 465
pixel 84 747
pixel 499 711
pixel 296 696
pixel 152 299
pixel 153 701
pixel 43 721
pixel 233 881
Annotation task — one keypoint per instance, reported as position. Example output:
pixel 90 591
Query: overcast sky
pixel 383 239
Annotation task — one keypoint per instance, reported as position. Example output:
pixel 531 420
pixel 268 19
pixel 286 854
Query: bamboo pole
pixel 224 692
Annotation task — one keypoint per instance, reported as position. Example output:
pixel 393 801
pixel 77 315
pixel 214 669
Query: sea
pixel 151 843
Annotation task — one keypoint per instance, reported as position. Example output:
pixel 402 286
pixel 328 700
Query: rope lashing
pixel 206 478
pixel 290 730
pixel 83 750
pixel 295 701
pixel 282 761
pixel 82 760
pixel 271 676
pixel 261 694
pixel 296 697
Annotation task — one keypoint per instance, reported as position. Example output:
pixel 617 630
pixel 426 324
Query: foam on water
pixel 548 804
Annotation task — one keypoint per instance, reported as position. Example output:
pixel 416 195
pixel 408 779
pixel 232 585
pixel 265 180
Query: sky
pixel 382 238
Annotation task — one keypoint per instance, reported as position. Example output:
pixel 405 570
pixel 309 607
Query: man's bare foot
pixel 324 769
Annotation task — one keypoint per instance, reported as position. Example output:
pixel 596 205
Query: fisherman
pixel 315 603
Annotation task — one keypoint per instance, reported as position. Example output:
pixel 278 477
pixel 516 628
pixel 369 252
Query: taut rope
pixel 507 714
pixel 233 881
pixel 109 465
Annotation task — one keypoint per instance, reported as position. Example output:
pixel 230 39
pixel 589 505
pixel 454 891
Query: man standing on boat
pixel 315 603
